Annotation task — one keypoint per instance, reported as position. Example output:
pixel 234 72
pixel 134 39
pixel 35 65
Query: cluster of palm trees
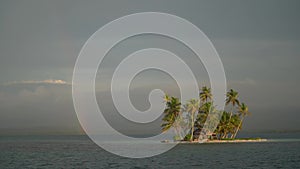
pixel 191 117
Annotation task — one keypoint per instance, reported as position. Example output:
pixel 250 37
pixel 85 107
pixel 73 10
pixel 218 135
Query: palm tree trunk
pixel 178 132
pixel 231 111
pixel 232 135
pixel 236 131
pixel 192 132
pixel 224 134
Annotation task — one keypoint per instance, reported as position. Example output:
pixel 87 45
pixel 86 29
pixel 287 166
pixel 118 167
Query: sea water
pixel 281 151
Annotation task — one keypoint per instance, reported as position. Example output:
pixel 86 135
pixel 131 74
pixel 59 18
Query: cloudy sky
pixel 258 43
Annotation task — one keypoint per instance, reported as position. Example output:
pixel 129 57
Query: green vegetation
pixel 229 122
pixel 172 115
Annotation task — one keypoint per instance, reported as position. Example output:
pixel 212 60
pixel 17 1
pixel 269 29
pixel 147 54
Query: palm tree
pixel 206 105
pixel 167 98
pixel 243 112
pixel 192 107
pixel 204 110
pixel 234 125
pixel 232 97
pixel 223 126
pixel 205 94
pixel 229 125
pixel 172 115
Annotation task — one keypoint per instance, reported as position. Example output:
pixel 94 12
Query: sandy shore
pixel 236 141
pixel 222 141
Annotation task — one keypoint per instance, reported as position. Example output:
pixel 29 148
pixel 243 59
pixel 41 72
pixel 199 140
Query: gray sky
pixel 258 42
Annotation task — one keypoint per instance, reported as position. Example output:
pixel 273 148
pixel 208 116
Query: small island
pixel 196 121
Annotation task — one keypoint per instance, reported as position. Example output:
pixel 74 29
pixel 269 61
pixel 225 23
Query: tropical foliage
pixel 172 114
pixel 202 114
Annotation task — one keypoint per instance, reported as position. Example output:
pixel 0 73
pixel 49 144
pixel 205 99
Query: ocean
pixel 282 151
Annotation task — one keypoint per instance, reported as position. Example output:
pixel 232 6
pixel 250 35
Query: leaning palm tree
pixel 243 112
pixel 232 97
pixel 192 107
pixel 205 94
pixel 172 115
